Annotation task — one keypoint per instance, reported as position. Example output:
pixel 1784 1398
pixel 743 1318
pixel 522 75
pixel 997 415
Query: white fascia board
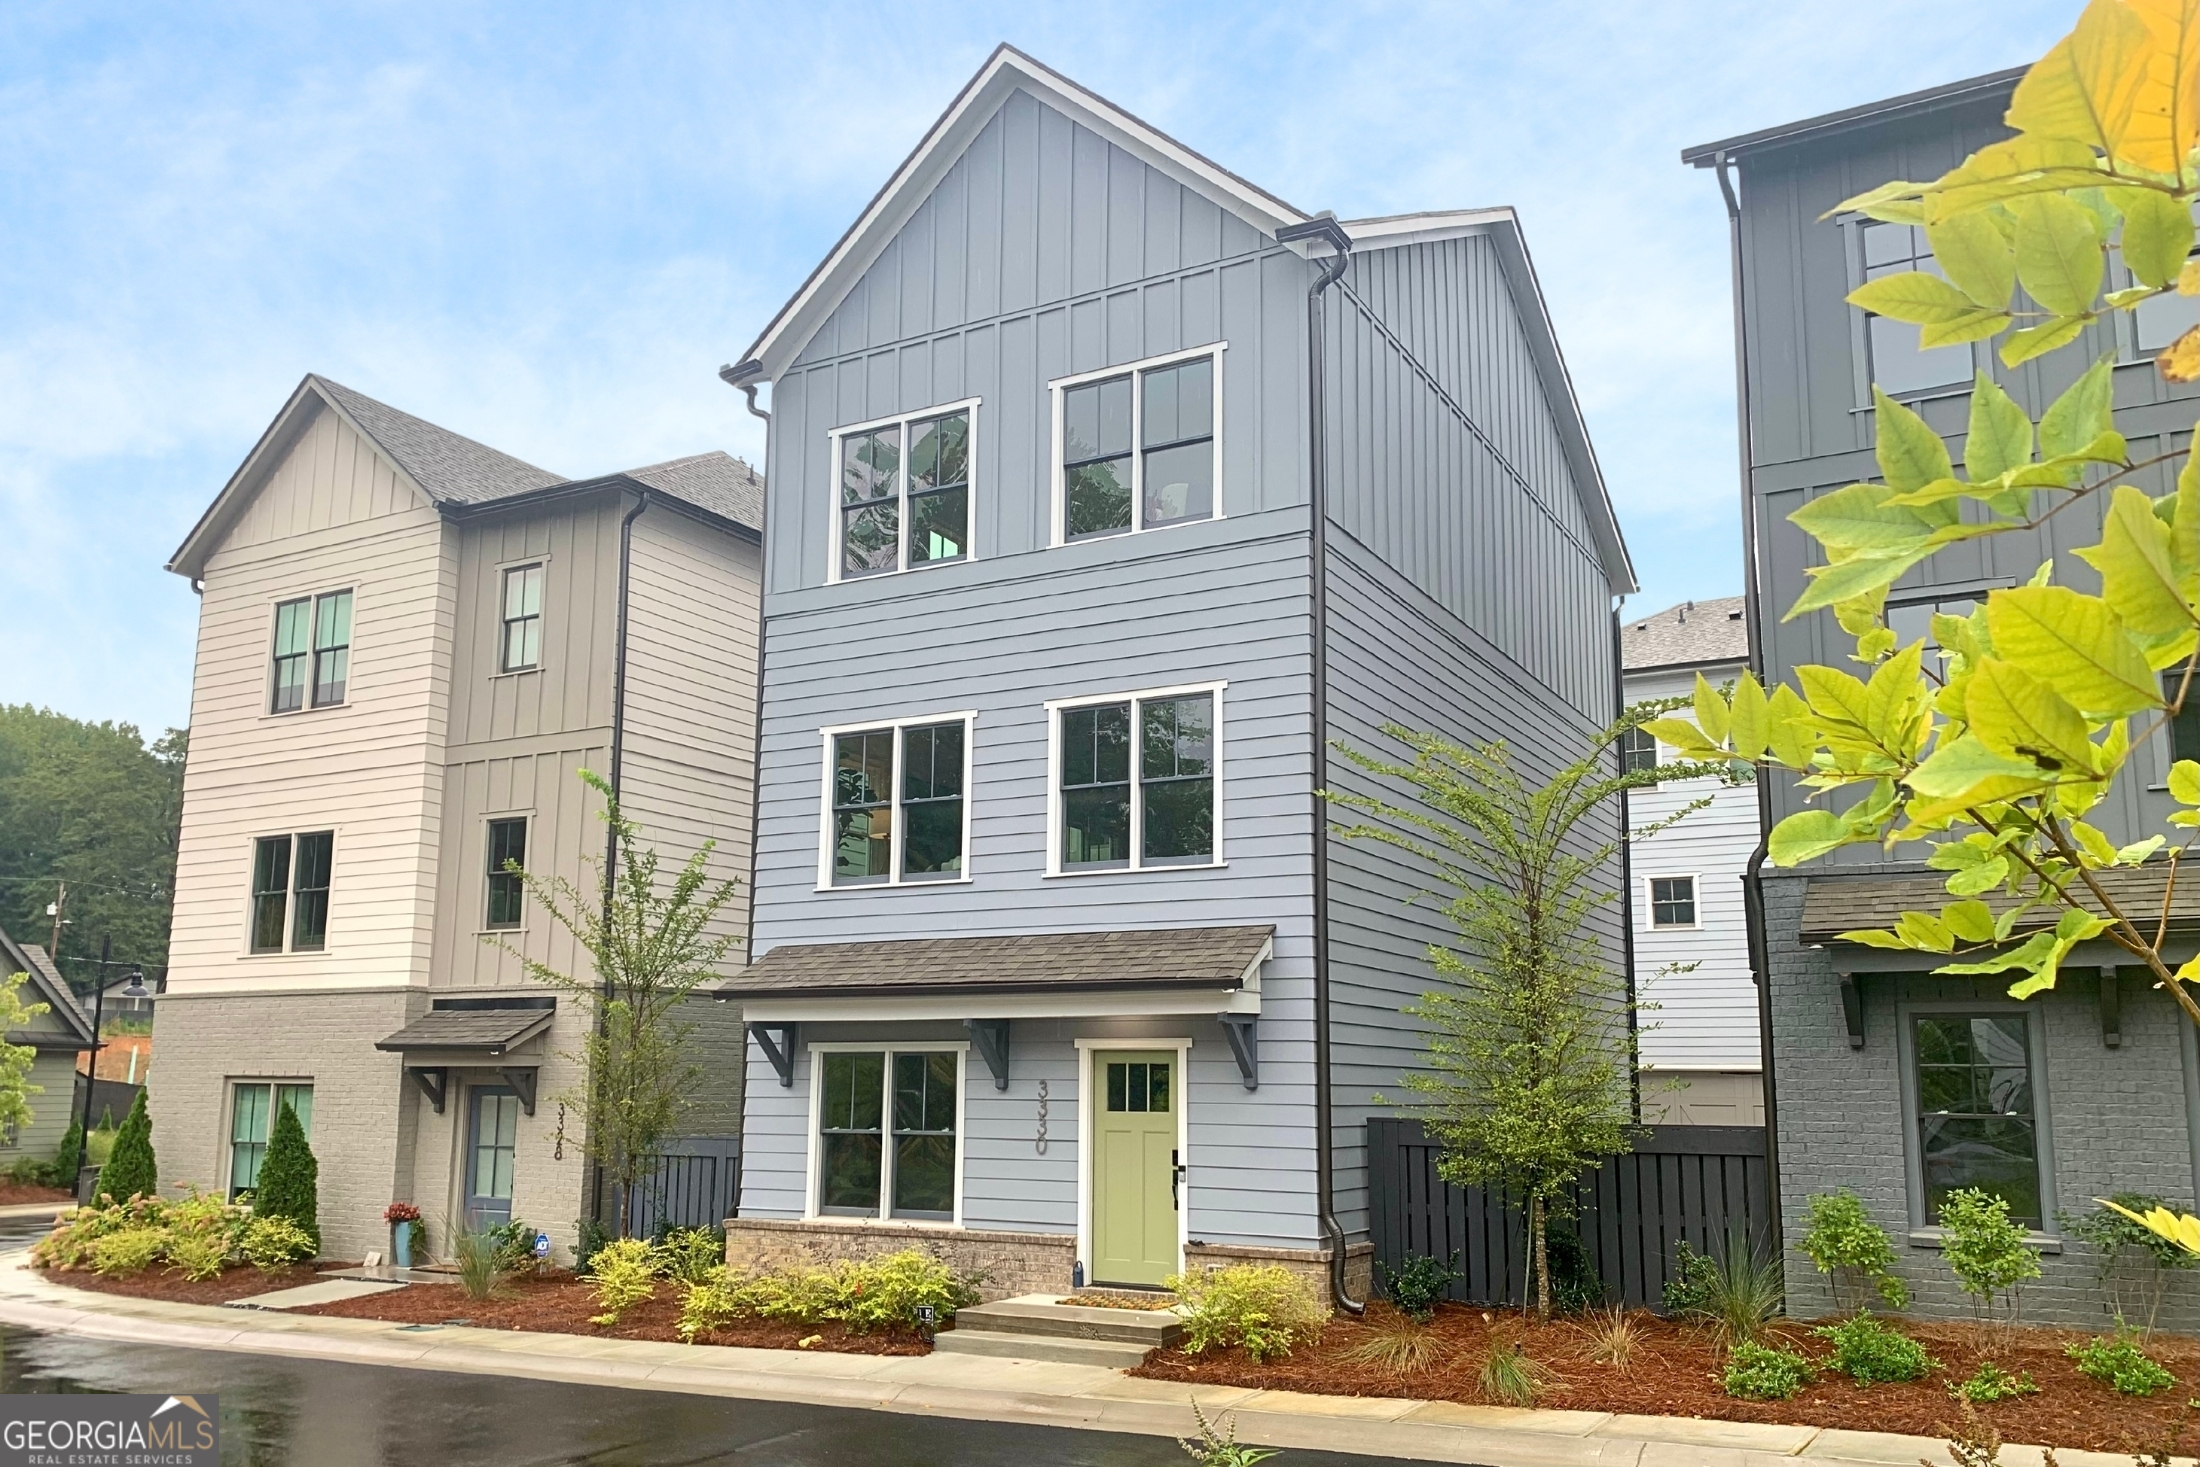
pixel 1394 230
pixel 825 1009
pixel 1006 71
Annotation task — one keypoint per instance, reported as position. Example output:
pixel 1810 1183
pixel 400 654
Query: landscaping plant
pixel 648 950
pixel 289 1181
pixel 1868 1352
pixel 481 1269
pixel 130 1170
pixel 864 1294
pixel 1220 1449
pixel 1732 1292
pixel 1987 1252
pixel 690 1254
pixel 271 1243
pixel 68 1159
pixel 1855 1253
pixel 1508 1376
pixel 2136 1261
pixel 1418 1285
pixel 1990 1383
pixel 625 1274
pixel 133 1250
pixel 588 1236
pixel 1760 1372
pixel 16 1060
pixel 2121 1365
pixel 1397 1343
pixel 1615 1333
pixel 1977 1443
pixel 1264 1307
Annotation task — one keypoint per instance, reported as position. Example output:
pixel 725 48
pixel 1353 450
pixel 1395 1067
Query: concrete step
pixel 1111 1354
pixel 1039 1314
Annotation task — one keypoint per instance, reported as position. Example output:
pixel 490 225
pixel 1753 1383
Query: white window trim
pixel 1055 708
pixel 833 576
pixel 275 601
pixel 229 1114
pixel 1087 1051
pixel 1057 520
pixel 814 1150
pixel 251 860
pixel 968 718
pixel 1695 900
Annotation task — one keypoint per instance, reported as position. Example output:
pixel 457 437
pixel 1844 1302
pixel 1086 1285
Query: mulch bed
pixel 559 1303
pixel 159 1282
pixel 15 1194
pixel 1676 1370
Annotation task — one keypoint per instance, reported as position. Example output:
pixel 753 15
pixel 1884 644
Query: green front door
pixel 1134 1167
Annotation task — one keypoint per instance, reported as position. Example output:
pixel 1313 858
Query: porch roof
pixel 488 1026
pixel 1834 904
pixel 1226 959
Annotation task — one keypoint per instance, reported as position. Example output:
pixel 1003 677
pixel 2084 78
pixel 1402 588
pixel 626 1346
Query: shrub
pixel 1986 1249
pixel 290 1177
pixel 2121 1365
pixel 272 1242
pixel 589 1236
pixel 709 1303
pixel 888 1291
pixel 133 1250
pixel 1868 1352
pixel 1508 1376
pixel 131 1170
pixel 864 1294
pixel 689 1254
pixel 2135 1261
pixel 1417 1286
pixel 626 1275
pixel 1576 1287
pixel 1688 1289
pixel 69 1159
pixel 1264 1307
pixel 1756 1372
pixel 481 1271
pixel 513 1244
pixel 1843 1242
pixel 69 1245
pixel 1990 1383
pixel 197 1255
pixel 1733 1291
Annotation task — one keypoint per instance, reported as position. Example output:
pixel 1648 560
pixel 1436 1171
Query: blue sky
pixel 545 225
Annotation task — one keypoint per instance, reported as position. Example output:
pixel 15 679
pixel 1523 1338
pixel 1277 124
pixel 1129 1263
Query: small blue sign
pixel 542 1245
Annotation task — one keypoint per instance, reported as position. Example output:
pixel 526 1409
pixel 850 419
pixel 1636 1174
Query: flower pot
pixel 401 1244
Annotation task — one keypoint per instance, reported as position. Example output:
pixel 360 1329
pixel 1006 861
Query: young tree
pixel 1529 1053
pixel 131 1170
pixel 289 1185
pixel 16 1060
pixel 650 948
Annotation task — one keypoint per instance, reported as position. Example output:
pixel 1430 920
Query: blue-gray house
pixel 1053 968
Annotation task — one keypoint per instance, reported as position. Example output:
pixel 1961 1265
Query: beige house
pixel 409 645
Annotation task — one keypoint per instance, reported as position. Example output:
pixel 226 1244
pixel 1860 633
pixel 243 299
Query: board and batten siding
pixel 1397 657
pixel 1704 1018
pixel 331 515
pixel 933 322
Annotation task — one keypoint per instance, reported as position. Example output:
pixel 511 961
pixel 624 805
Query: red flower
pixel 400 1212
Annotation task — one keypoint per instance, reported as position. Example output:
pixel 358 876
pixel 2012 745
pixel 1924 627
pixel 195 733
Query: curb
pixel 1081 1397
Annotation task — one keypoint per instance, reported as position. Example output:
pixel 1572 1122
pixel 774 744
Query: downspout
pixel 1753 894
pixel 618 692
pixel 1323 226
pixel 744 377
pixel 1627 888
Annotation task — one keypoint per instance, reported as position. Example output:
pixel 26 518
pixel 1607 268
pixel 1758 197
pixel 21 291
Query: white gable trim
pixel 1007 70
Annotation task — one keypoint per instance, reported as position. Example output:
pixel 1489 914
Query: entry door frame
pixel 1087 1099
pixel 469 1130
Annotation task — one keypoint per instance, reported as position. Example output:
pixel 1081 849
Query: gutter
pixel 618 689
pixel 1627 887
pixel 1323 226
pixel 748 377
pixel 1753 892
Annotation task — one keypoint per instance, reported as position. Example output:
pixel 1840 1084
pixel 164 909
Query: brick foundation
pixel 1312 1264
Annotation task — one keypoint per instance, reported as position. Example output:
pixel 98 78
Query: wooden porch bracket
pixel 1852 1009
pixel 522 1082
pixel 435 1084
pixel 779 1052
pixel 990 1038
pixel 1243 1032
pixel 2112 1009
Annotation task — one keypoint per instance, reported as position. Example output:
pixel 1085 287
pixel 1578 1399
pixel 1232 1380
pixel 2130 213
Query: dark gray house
pixel 1066 592
pixel 1883 1078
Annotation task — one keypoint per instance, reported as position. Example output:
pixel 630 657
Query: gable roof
pixel 1692 634
pixel 50 988
pixel 1009 70
pixel 455 473
pixel 1972 89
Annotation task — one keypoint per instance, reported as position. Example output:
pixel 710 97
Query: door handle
pixel 1176 1175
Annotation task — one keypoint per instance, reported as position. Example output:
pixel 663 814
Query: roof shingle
pixel 1692 633
pixel 1176 957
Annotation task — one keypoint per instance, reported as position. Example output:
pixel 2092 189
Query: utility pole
pixel 60 900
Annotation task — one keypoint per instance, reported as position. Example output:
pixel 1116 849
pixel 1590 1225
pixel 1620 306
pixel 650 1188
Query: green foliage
pixel 512 1243
pixel 16 1060
pixel 2136 1261
pixel 1220 1449
pixel 589 1236
pixel 710 1302
pixel 1398 1343
pixel 690 1254
pixel 131 1170
pixel 130 1251
pixel 864 1294
pixel 1868 1352
pixel 1843 1242
pixel 1508 1376
pixel 2121 1365
pixel 1990 1383
pixel 1986 1250
pixel 289 1181
pixel 99 1146
pixel 92 804
pixel 1734 1291
pixel 68 1160
pixel 1418 1286
pixel 885 1292
pixel 197 1235
pixel 1266 1308
pixel 648 950
pixel 1758 1372
pixel 1688 1288
pixel 625 1274
pixel 1576 1287
pixel 481 1267
pixel 275 1242
pixel 1525 1082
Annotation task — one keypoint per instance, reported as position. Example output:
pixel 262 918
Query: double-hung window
pixel 1638 752
pixel 312 652
pixel 1896 357
pixel 897 809
pixel 1138 447
pixel 902 491
pixel 290 887
pixel 1135 781
pixel 886 1127
pixel 1672 901
pixel 1975 1116
pixel 252 1119
pixel 507 892
pixel 520 642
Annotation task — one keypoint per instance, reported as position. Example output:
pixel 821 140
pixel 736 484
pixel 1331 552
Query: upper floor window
pixel 521 642
pixel 1638 752
pixel 1899 362
pixel 1138 447
pixel 1672 901
pixel 1135 782
pixel 903 491
pixel 896 810
pixel 507 849
pixel 312 651
pixel 290 886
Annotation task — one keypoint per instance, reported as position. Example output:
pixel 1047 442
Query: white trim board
pixel 1134 865
pixel 961 1050
pixel 968 718
pixel 835 572
pixel 1087 1048
pixel 1057 391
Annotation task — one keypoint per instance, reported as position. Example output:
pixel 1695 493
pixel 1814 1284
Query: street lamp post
pixel 134 989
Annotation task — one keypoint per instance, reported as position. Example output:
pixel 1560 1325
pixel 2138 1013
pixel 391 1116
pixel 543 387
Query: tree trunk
pixel 1539 1235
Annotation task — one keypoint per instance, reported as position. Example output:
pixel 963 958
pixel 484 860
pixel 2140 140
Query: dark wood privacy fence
pixel 693 1185
pixel 1691 1183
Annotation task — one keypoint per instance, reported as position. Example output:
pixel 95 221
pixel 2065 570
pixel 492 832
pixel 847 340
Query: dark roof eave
pixel 1706 155
pixel 966 990
pixel 606 483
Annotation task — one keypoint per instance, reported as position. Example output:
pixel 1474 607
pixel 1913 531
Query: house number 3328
pixel 1039 1141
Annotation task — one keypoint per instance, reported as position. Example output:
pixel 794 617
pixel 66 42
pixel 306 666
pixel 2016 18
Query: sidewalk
pixel 979 1388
